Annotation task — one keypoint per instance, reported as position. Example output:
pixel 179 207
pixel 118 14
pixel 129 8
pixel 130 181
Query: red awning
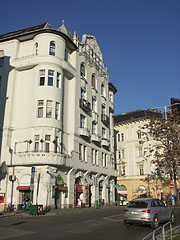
pixel 23 188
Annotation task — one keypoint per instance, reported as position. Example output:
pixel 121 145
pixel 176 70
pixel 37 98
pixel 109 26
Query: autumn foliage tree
pixel 165 150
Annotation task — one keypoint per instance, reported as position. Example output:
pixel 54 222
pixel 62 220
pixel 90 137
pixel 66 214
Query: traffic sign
pixel 40 209
pixel 172 197
pixel 171 185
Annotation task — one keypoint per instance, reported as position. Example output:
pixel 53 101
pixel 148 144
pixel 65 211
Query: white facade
pixel 56 108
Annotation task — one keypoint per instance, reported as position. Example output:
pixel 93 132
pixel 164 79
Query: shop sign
pixel 59 181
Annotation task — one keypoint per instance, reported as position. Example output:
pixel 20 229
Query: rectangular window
pixel 36 143
pixel 92 156
pixel 94 127
pixel 120 155
pixel 96 157
pixel 56 145
pixel 40 108
pixel 82 121
pixel 47 143
pixel 119 137
pixel 84 153
pixel 123 170
pixel 103 133
pixel 140 152
pixel 42 77
pixel 80 152
pixel 141 170
pixel 50 77
pixel 58 80
pixel 49 109
pixel 57 108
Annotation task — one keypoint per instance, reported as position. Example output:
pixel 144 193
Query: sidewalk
pixel 57 212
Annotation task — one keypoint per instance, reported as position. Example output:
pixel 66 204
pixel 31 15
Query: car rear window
pixel 137 204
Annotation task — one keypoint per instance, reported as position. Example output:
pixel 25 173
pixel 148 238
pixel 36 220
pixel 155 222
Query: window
pixel 36 143
pixel 58 80
pixel 104 159
pixel 103 109
pixel 40 108
pixel 42 77
pixel 122 137
pixel 47 143
pixel 103 133
pixel 96 157
pixel 139 135
pixel 119 136
pixel 50 77
pixel 102 90
pixel 56 145
pixel 92 155
pixel 140 152
pixel 82 70
pixel 94 128
pixel 83 94
pixel 52 48
pixel 36 48
pixel 57 108
pixel 49 109
pixel 93 81
pixel 141 169
pixel 111 97
pixel 123 170
pixel 80 151
pixel 94 104
pixel 119 155
pixel 122 154
pixel 82 121
pixel 84 153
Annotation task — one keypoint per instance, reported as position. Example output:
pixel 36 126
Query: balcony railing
pixel 105 142
pixel 105 119
pixel 95 137
pixel 85 105
pixel 40 157
pixel 85 132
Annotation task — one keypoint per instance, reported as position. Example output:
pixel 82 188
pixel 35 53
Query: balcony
pixel 85 105
pixel 84 132
pixel 95 117
pixel 105 119
pixel 95 137
pixel 105 142
pixel 40 158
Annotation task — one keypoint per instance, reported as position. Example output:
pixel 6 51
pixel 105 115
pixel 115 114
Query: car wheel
pixel 155 223
pixel 173 218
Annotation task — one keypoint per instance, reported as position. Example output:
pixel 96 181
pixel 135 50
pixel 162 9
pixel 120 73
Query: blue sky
pixel 139 39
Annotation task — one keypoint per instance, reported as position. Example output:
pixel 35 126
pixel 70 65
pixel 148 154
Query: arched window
pixel 102 90
pixel 52 48
pixel 82 70
pixel 93 81
pixel 36 48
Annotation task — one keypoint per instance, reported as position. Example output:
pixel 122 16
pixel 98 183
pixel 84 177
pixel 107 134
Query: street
pixel 104 223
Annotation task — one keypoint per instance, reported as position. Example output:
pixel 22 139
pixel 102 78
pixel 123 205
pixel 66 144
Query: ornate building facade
pixel 56 125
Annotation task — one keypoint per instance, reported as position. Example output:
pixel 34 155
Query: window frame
pixel 52 48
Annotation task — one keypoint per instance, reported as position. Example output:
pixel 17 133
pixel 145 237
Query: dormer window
pixel 82 70
pixel 93 81
pixel 52 48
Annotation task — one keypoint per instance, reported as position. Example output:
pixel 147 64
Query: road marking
pixel 109 218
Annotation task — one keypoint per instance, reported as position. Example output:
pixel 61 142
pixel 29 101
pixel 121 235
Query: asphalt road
pixel 104 223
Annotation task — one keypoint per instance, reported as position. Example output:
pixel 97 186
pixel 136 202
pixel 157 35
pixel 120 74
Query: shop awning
pixel 23 188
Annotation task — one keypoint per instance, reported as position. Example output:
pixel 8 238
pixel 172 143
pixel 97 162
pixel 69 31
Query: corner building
pixel 56 127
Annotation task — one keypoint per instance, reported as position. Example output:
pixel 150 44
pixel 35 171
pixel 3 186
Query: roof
pixel 34 30
pixel 136 115
pixel 112 87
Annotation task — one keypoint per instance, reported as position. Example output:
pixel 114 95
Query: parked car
pixel 150 211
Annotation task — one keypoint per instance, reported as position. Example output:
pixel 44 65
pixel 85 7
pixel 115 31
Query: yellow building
pixel 135 177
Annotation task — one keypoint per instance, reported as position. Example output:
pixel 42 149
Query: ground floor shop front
pixel 56 187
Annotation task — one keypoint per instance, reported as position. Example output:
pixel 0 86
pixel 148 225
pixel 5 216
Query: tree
pixel 165 150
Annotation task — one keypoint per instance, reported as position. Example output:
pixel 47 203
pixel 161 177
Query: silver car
pixel 150 211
